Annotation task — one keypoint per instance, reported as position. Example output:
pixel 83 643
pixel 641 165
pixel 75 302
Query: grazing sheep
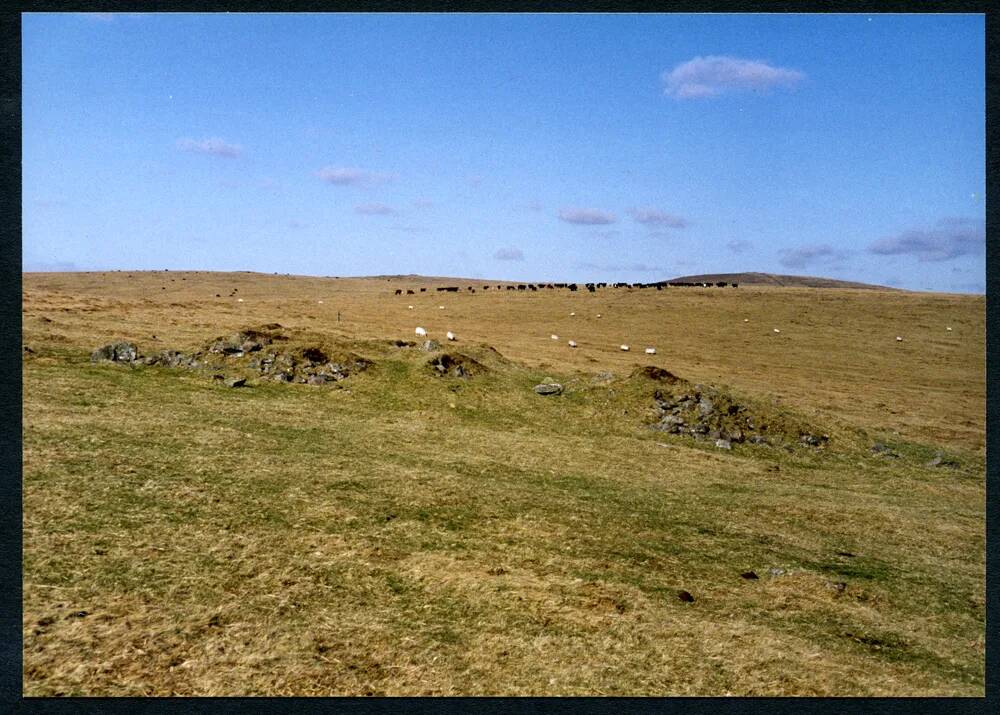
pixel 410 307
pixel 320 302
pixel 624 348
pixel 440 307
pixel 948 329
pixel 572 343
pixel 450 335
pixel 239 300
pixel 746 320
pixel 899 339
pixel 572 314
pixel 555 337
pixel 421 332
pixel 598 315
pixel 651 351
pixel 776 330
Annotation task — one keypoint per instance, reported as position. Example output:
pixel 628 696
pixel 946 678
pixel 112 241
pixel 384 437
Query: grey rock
pixel 811 440
pixel 285 377
pixel 431 345
pixel 119 351
pixel 884 450
pixel 715 434
pixel 758 439
pixel 699 429
pixel 316 380
pixel 236 382
pixel 776 572
pixel 941 461
pixel 723 444
pixel 549 388
pixel 705 407
pixel 735 435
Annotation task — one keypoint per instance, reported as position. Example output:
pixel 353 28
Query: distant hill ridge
pixel 775 279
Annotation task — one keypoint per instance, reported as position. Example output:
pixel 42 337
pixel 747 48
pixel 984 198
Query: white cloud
pixel 811 255
pixel 950 238
pixel 588 217
pixel 715 74
pixel 509 254
pixel 214 146
pixel 655 217
pixel 375 210
pixel 352 176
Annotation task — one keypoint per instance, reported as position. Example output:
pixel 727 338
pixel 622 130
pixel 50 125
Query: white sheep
pixel 776 330
pixel 555 337
pixel 899 339
pixel 320 302
pixel 421 332
pixel 651 351
pixel 410 307
pixel 624 348
pixel 598 315
pixel 440 307
pixel 572 343
pixel 239 300
pixel 746 320
pixel 948 329
pixel 572 314
pixel 450 335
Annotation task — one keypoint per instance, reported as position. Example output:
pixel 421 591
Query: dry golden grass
pixel 409 534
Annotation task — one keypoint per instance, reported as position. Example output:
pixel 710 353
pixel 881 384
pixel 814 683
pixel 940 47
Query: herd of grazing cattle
pixel 591 287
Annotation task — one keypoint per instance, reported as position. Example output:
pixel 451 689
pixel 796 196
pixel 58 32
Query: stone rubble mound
pixel 710 413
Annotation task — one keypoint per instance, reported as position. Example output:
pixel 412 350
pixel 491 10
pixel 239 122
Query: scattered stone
pixel 119 351
pixel 549 388
pixel 813 440
pixel 884 450
pixel 723 444
pixel 316 380
pixel 758 439
pixel 776 572
pixel 218 377
pixel 685 596
pixel 236 382
pixel 839 586
pixel 705 407
pixel 749 575
pixel 941 461
pixel 670 423
pixel 431 345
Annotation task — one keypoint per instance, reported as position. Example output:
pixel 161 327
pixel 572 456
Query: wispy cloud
pixel 607 235
pixel 375 210
pixel 804 256
pixel 214 147
pixel 509 254
pixel 587 217
pixel 657 218
pixel 950 238
pixel 739 246
pixel 715 74
pixel 352 176
pixel 621 268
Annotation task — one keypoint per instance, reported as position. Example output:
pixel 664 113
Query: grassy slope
pixel 410 534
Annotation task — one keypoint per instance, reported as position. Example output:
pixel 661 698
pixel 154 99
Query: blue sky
pixel 522 147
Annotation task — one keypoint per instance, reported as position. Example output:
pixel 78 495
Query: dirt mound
pixel 456 365
pixel 652 372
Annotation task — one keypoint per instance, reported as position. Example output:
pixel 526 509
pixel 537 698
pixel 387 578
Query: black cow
pixel 522 287
pixel 399 291
pixel 531 287
pixel 441 288
pixel 511 288
pixel 423 290
pixel 409 292
pixel 736 285
pixel 591 288
pixel 452 289
pixel 720 284
pixel 572 287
